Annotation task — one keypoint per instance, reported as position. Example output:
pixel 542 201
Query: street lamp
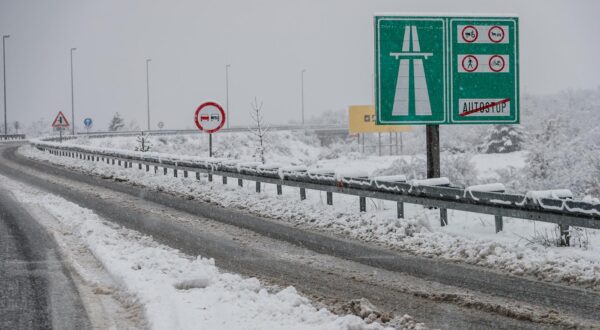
pixel 148 90
pixel 227 92
pixel 4 73
pixel 302 92
pixel 72 97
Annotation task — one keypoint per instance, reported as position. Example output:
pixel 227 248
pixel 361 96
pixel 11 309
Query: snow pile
pixel 468 237
pixel 283 146
pixel 179 291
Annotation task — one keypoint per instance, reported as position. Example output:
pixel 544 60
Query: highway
pixel 330 270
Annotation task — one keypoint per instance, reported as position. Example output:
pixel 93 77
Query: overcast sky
pixel 267 43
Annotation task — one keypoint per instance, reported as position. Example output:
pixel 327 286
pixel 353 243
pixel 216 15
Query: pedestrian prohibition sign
pixel 446 70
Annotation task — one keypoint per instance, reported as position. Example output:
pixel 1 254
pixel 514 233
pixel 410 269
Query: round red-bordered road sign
pixel 496 34
pixel 498 65
pixel 469 33
pixel 470 66
pixel 209 117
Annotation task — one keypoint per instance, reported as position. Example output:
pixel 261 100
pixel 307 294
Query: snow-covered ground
pixel 177 291
pixel 523 248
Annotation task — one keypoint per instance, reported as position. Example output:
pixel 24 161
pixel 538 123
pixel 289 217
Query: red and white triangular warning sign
pixel 60 121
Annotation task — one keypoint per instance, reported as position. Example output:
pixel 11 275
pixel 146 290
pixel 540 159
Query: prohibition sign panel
pixel 432 69
pixel 209 117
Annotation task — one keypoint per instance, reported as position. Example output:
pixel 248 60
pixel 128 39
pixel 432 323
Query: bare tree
pixel 260 130
pixel 144 143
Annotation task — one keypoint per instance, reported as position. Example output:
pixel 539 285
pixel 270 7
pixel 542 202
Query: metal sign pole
pixel 60 134
pixel 210 153
pixel 433 151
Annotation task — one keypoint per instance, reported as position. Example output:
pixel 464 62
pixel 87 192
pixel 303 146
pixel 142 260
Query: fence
pixel 12 137
pixel 545 207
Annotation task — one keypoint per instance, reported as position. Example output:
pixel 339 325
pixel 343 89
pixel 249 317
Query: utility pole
pixel 302 93
pixel 227 94
pixel 4 73
pixel 72 97
pixel 148 90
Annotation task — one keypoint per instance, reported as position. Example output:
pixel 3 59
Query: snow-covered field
pixel 176 291
pixel 523 248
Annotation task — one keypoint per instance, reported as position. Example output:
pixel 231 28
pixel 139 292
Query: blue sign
pixel 87 122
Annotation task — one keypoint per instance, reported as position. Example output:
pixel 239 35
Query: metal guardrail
pixel 325 129
pixel 565 212
pixel 12 137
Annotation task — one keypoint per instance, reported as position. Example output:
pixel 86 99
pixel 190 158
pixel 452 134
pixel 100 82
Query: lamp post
pixel 4 73
pixel 302 93
pixel 227 93
pixel 72 96
pixel 148 90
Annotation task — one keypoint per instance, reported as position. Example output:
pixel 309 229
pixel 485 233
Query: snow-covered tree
pixel 116 123
pixel 260 130
pixel 144 143
pixel 503 139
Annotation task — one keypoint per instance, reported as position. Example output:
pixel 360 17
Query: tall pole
pixel 148 90
pixel 4 73
pixel 302 93
pixel 227 94
pixel 72 97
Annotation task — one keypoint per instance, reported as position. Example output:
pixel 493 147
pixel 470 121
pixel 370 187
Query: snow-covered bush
pixel 412 167
pixel 459 168
pixel 341 147
pixel 503 139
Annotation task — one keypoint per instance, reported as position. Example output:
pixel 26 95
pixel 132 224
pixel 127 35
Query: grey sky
pixel 267 44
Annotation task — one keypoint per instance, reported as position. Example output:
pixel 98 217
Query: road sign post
pixel 209 118
pixel 60 123
pixel 87 122
pixel 434 70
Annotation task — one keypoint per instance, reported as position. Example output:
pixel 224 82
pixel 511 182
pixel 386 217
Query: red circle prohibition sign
pixel 199 118
pixel 476 35
pixel 472 66
pixel 501 59
pixel 496 27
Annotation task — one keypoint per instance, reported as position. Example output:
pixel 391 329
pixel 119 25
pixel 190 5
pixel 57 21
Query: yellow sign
pixel 362 120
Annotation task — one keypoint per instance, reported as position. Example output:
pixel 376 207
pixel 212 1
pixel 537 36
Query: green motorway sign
pixel 446 70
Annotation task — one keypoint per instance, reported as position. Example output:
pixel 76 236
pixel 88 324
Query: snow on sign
pixel 446 69
pixel 60 121
pixel 209 117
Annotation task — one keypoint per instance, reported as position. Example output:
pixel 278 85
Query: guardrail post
pixel 302 194
pixel 400 208
pixel 198 176
pixel 165 171
pixel 240 182
pixel 155 169
pixel 565 235
pixel 175 172
pixel 139 166
pixel 257 186
pixel 279 190
pixel 329 198
pixel 499 223
pixel 185 174
pixel 210 177
pixel 126 164
pixel 119 162
pixel 224 180
pixel 362 203
pixel 443 217
pixel 147 168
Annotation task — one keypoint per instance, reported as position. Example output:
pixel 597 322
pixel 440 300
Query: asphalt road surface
pixel 329 269
pixel 36 290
